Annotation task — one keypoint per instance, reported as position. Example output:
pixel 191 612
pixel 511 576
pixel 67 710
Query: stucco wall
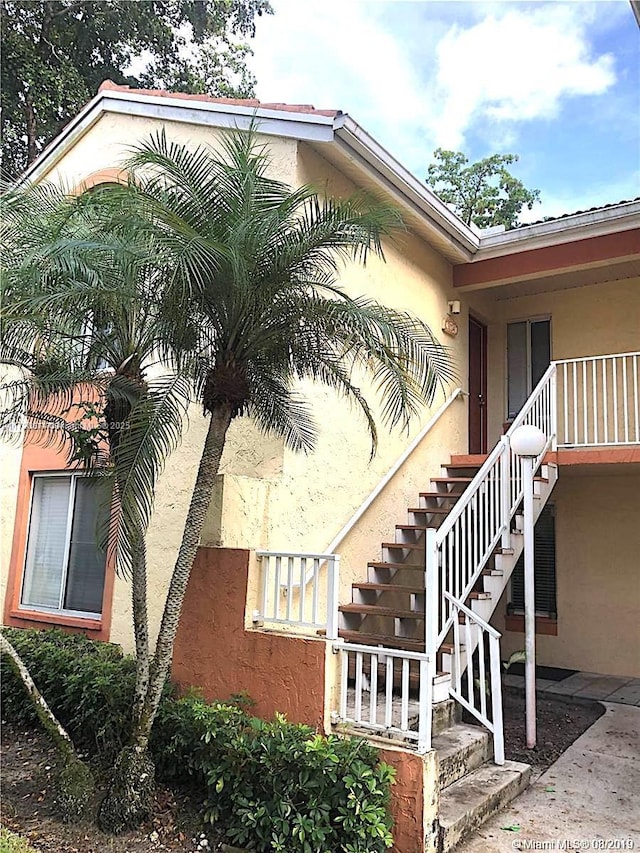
pixel 596 319
pixel 598 577
pixel 414 798
pixel 215 652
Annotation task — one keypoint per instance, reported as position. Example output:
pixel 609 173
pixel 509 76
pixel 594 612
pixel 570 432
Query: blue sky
pixel 556 82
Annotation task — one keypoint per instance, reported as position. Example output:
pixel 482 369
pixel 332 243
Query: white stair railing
pixel 458 551
pixel 387 691
pixel 480 694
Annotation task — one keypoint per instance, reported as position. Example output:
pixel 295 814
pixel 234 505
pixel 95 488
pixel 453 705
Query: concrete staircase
pixel 472 787
pixel 388 609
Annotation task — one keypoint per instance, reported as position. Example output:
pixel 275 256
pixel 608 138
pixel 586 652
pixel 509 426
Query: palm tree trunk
pixel 200 500
pixel 129 798
pixel 140 627
pixel 75 782
pixel 50 723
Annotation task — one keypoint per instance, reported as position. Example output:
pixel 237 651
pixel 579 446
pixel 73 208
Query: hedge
pixel 272 787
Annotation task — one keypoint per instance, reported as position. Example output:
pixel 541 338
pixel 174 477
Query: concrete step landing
pixel 461 749
pixel 474 798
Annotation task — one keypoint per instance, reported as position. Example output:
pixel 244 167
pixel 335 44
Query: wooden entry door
pixel 477 387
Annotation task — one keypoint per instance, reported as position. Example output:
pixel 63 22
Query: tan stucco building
pixel 509 305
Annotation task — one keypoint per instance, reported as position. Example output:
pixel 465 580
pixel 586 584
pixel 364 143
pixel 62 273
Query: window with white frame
pixel 64 567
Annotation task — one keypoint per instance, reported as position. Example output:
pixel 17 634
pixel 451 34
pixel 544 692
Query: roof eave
pixel 364 149
pixel 309 127
pixel 566 229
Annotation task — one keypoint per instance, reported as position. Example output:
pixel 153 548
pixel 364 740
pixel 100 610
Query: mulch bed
pixel 29 768
pixel 29 772
pixel 560 721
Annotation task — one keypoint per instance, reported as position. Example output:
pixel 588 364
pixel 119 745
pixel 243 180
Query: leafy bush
pixel 276 786
pixel 272 787
pixel 12 843
pixel 89 686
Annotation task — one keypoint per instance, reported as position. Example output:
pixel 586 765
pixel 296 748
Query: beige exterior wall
pixel 596 319
pixel 598 577
pixel 269 497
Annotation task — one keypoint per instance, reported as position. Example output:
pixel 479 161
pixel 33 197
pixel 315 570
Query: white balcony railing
pixel 598 400
pixel 299 590
pixel 388 691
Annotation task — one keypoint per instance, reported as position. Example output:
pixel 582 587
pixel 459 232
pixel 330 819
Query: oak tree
pixel 55 54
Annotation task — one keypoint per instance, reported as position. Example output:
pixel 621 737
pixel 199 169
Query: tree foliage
pixel 55 54
pixel 485 192
pixel 227 283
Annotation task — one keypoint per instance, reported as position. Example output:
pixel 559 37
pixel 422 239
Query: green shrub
pixel 272 787
pixel 276 786
pixel 12 843
pixel 89 686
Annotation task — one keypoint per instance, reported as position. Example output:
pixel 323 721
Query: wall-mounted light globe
pixel 528 440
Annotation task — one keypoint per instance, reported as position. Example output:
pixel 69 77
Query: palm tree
pixel 80 332
pixel 246 302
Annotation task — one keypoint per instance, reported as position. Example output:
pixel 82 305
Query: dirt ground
pixel 28 808
pixel 29 767
pixel 559 722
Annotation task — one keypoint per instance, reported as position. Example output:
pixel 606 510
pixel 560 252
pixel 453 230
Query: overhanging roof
pixel 324 129
pixel 347 145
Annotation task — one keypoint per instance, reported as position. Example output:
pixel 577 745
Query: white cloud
pixel 416 80
pixel 515 67
pixel 342 55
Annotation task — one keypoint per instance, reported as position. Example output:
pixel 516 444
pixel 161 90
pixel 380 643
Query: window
pixel 528 356
pixel 64 568
pixel 544 568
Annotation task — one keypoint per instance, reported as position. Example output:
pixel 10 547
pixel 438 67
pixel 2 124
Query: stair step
pixel 420 527
pixel 406 546
pixel 388 587
pixel 445 714
pixel 451 479
pixel 480 596
pixel 474 459
pixel 377 610
pixel 404 566
pixel 469 802
pixel 432 510
pixel 445 496
pixel 461 749
pixel 382 640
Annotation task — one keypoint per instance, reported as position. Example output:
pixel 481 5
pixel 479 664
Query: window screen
pixel 64 568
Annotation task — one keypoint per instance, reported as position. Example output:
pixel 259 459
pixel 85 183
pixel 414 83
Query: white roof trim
pixel 361 148
pixel 578 226
pixel 309 127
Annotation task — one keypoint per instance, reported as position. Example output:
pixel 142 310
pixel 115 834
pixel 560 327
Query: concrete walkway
pixel 591 794
pixel 587 685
